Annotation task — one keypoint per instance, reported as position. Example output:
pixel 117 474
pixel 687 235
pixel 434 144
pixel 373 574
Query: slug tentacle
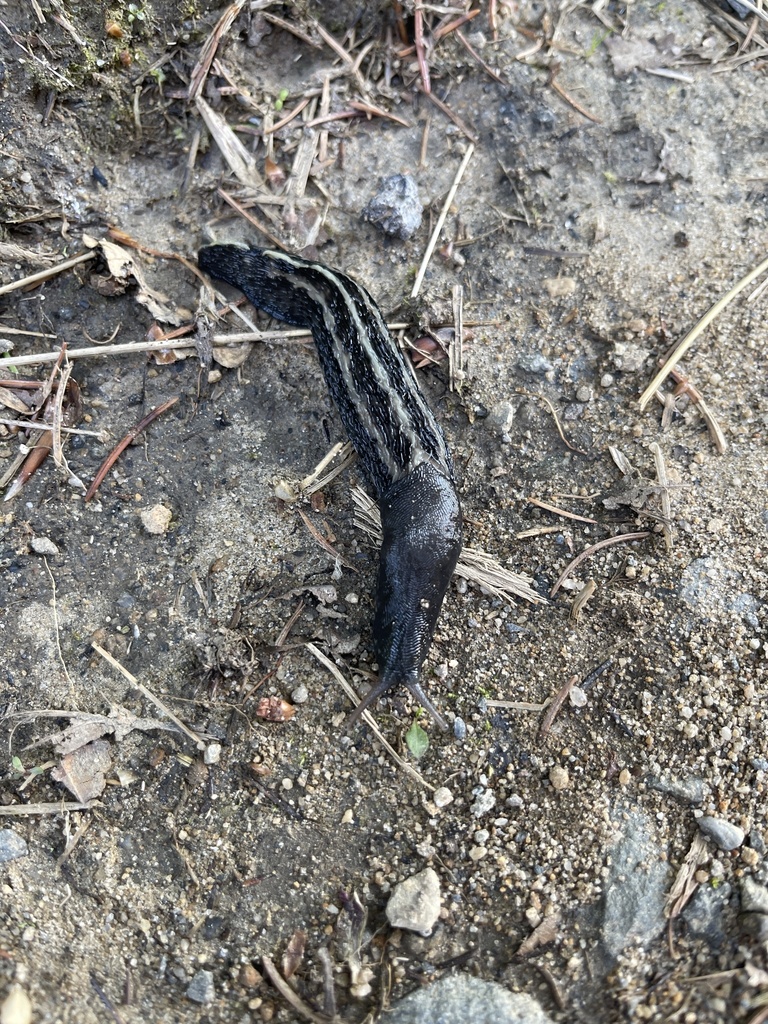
pixel 402 451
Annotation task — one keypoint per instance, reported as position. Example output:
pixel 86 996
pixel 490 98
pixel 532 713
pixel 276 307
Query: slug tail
pixel 370 698
pixel 428 706
pixel 378 691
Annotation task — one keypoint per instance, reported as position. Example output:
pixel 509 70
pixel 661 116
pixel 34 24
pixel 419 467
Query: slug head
pixel 422 527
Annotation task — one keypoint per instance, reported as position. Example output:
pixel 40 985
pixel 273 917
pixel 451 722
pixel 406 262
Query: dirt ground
pixel 605 208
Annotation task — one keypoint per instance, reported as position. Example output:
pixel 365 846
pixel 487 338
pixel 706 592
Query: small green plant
pixel 282 96
pixel 136 12
pixel 417 740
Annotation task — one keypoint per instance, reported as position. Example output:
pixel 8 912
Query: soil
pixel 604 210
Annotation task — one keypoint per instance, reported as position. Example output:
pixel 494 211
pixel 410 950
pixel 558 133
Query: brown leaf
pixel 83 771
pixel 294 953
pixel 542 934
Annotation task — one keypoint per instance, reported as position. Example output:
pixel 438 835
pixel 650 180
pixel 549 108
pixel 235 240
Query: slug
pixel 403 453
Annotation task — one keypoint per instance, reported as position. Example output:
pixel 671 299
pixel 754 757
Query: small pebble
pixel 16 1007
pixel 501 417
pixel 559 777
pixel 201 989
pixel 300 694
pixel 249 977
pixel 624 777
pixel 396 207
pixel 286 492
pixel 577 697
pixel 287 783
pixel 212 753
pixel 415 903
pixel 43 546
pixel 459 728
pixel 12 846
pixel 606 380
pixel 559 287
pixel 722 833
pixel 484 803
pixel 477 853
pixel 442 796
pixel 157 519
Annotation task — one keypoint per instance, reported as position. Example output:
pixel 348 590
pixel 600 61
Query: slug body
pixel 402 451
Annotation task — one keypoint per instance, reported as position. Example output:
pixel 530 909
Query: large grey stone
pixel 462 999
pixel 12 846
pixel 633 911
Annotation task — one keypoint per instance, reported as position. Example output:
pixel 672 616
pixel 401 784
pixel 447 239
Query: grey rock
pixel 43 546
pixel 633 910
pixel 534 362
pixel 486 801
pixel 201 989
pixel 705 912
pixel 396 207
pixel 415 903
pixel 461 999
pixel 754 897
pixel 501 417
pixel 692 790
pixel 12 846
pixel 723 833
pixel 711 587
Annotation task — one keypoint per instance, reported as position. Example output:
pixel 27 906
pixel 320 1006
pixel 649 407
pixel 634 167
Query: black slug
pixel 402 450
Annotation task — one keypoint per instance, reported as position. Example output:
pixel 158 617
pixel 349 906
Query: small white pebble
pixel 287 783
pixel 300 694
pixel 606 380
pixel 351 597
pixel 442 796
pixel 347 817
pixel 477 853
pixel 43 546
pixel 624 777
pixel 212 753
pixel 16 1007
pixel 577 697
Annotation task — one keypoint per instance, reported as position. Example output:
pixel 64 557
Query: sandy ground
pixel 603 210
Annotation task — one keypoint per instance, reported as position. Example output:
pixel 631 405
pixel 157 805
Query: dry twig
pixel 679 351
pixel 368 717
pixel 441 220
pixel 117 451
pixel 197 740
pixel 621 539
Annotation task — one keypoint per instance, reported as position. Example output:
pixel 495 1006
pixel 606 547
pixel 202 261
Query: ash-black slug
pixel 402 451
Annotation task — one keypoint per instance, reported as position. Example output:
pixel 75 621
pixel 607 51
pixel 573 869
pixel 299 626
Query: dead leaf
pixel 83 771
pixel 122 266
pixel 542 934
pixel 294 953
pixel 685 884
